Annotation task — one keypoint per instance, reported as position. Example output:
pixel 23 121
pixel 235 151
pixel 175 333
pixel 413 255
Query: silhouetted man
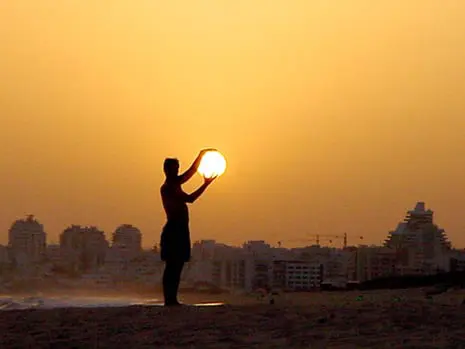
pixel 175 239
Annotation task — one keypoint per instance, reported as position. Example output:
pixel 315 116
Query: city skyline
pixel 332 117
pixel 334 241
pixel 85 257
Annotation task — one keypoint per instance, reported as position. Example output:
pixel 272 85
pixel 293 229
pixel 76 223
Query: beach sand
pixel 375 319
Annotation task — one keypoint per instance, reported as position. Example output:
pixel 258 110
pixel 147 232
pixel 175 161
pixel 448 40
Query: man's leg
pixel 168 282
pixel 171 280
pixel 177 273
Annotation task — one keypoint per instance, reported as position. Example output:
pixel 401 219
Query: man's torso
pixel 174 204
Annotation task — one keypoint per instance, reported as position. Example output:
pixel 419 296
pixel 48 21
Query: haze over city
pixel 333 117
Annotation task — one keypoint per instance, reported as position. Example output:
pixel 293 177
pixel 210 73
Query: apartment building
pixel 372 262
pixel 297 275
pixel 27 241
pixel 128 239
pixel 84 247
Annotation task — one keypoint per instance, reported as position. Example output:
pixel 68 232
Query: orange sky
pixel 333 117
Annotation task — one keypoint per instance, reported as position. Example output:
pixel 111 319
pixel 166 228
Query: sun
pixel 212 164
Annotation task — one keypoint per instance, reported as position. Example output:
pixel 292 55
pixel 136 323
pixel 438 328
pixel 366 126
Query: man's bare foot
pixel 173 304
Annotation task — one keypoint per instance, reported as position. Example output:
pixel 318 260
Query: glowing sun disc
pixel 212 164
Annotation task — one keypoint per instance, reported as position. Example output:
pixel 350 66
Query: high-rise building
pixel 83 248
pixel 127 237
pixel 27 240
pixel 421 244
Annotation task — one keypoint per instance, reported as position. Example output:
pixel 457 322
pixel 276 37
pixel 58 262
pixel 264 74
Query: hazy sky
pixel 333 115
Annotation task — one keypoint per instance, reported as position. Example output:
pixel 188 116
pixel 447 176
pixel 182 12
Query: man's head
pixel 171 168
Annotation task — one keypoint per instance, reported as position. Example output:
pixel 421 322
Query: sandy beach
pixel 388 319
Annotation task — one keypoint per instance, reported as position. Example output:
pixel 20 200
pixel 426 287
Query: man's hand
pixel 183 178
pixel 209 180
pixel 195 195
pixel 204 151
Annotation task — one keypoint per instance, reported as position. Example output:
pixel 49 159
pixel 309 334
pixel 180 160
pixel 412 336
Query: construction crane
pixel 295 240
pixel 315 241
pixel 318 238
pixel 331 237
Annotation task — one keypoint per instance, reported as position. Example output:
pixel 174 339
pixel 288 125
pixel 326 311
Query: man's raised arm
pixel 184 177
pixel 190 198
